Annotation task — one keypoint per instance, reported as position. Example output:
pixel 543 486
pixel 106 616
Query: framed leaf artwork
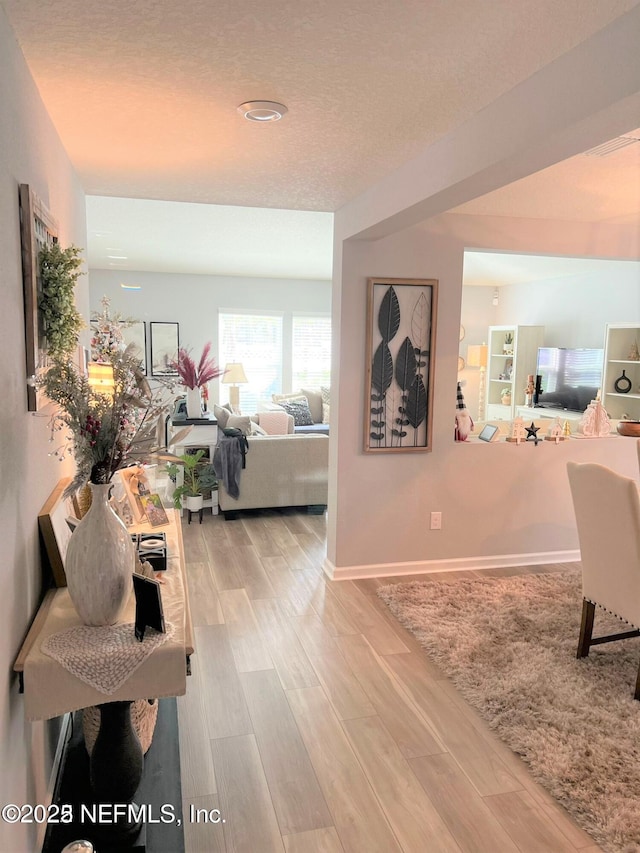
pixel 400 357
pixel 37 229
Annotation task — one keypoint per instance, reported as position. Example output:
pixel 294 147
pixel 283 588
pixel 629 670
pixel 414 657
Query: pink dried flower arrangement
pixel 195 376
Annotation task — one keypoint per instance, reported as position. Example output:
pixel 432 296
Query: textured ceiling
pixel 144 94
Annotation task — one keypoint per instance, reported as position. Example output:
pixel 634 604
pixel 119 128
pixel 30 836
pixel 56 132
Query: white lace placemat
pixel 104 658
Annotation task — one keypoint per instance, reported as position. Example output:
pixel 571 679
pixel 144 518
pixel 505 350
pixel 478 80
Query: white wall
pixel 193 302
pixel 557 304
pixel 30 152
pixel 500 503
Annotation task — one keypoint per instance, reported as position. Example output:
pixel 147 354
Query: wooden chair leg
pixel 586 628
pixel 636 695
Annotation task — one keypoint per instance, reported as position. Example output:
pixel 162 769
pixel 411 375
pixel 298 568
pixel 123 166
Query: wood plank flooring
pixel 315 723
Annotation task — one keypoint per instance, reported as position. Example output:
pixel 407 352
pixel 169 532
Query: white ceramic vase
pixel 99 562
pixel 194 403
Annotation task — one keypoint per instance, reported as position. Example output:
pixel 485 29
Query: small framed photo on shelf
pixel 149 612
pixel 155 511
pixel 136 485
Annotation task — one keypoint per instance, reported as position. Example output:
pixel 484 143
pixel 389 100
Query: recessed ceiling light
pixel 118 257
pixel 131 286
pixel 262 110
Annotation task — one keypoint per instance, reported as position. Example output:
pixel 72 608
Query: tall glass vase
pixel 100 561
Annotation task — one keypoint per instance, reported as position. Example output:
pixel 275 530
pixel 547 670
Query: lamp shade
pixel 234 374
pixel 477 355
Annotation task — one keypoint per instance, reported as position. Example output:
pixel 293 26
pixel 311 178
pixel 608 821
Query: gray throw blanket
pixel 228 462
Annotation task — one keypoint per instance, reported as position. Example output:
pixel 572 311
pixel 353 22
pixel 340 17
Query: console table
pixel 50 690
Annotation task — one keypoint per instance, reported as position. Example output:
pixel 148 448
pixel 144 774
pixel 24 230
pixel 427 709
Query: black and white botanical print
pixel 400 333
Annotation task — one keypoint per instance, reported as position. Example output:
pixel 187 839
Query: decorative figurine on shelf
pixel 634 354
pixel 566 429
pixel 532 433
pixel 555 432
pixel 595 421
pixel 529 391
pixel 622 383
pixel 517 430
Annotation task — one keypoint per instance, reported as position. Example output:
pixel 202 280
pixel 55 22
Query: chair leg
pixel 586 628
pixel 636 695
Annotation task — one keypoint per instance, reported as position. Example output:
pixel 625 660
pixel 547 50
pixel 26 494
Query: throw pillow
pixel 278 398
pixel 314 396
pixel 222 415
pixel 300 411
pixel 241 422
pixel 326 404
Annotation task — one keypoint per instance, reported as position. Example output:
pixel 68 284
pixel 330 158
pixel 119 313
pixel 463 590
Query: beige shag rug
pixel 509 645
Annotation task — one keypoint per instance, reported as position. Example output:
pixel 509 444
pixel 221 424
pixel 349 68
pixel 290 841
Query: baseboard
pixel 425 567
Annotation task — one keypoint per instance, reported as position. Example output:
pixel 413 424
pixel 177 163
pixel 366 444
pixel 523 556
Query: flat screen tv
pixel 571 378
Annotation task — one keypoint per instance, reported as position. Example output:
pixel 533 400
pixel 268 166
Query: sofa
pixel 318 403
pixel 281 470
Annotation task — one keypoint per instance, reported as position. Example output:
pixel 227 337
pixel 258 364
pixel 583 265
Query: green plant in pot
pixel 505 396
pixel 199 477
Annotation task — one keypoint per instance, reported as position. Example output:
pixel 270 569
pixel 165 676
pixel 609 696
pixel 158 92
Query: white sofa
pixel 281 470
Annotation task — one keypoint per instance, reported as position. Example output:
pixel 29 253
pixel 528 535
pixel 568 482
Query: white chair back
pixel 607 509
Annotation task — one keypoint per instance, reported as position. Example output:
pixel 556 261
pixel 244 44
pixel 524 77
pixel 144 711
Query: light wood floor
pixel 316 724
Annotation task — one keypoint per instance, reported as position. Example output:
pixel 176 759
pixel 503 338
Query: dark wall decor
pixel 37 229
pixel 400 353
pixel 165 342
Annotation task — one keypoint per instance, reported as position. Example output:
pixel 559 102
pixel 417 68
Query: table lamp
pixel 477 357
pixel 234 375
pixel 101 378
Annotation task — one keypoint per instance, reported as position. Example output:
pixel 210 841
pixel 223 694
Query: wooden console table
pixel 50 690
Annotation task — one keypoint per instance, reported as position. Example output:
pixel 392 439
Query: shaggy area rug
pixel 509 645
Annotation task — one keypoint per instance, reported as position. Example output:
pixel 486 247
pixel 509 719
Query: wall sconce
pixel 101 379
pixel 234 375
pixel 477 357
pixel 496 298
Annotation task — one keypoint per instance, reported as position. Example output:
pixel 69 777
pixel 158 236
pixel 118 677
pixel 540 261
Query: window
pixel 255 340
pixel 310 351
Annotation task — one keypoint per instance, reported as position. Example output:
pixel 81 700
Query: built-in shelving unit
pixel 508 365
pixel 619 341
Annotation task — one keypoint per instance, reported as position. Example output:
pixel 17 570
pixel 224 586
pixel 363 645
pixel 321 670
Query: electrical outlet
pixel 436 521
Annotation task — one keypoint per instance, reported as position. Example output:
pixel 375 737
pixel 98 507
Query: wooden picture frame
pixel 165 343
pixel 136 333
pixel 400 360
pixel 55 531
pixel 37 229
pixel 131 479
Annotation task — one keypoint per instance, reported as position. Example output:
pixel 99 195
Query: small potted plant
pixel 199 477
pixel 508 343
pixel 505 396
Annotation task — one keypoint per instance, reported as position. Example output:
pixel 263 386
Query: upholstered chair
pixel 607 509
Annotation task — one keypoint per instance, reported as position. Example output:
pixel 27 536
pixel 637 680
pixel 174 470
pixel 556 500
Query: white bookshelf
pixel 619 338
pixel 522 355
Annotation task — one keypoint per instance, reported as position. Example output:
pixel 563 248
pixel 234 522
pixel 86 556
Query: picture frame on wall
pixel 37 229
pixel 400 360
pixel 165 342
pixel 136 334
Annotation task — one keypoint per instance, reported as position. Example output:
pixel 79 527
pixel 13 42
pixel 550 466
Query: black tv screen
pixel 571 378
